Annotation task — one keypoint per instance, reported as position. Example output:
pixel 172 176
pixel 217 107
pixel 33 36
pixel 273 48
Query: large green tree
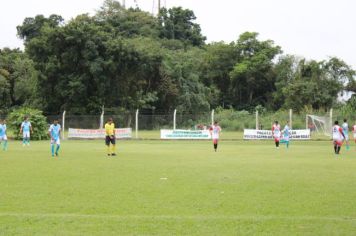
pixel 17 78
pixel 178 23
pixel 252 78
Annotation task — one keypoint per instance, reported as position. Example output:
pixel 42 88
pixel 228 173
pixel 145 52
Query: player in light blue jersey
pixel 345 129
pixel 54 132
pixel 286 134
pixel 26 130
pixel 3 136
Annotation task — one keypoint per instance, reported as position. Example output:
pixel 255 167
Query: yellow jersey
pixel 110 129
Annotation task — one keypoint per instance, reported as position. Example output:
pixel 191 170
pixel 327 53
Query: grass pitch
pixel 178 188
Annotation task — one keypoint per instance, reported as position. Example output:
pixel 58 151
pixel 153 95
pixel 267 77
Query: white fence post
pixel 331 121
pixel 101 125
pixel 136 124
pixel 212 117
pixel 63 124
pixel 174 119
pixel 257 123
pixel 290 118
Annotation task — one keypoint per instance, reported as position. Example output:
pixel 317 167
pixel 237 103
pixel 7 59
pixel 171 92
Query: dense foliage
pixel 38 122
pixel 128 59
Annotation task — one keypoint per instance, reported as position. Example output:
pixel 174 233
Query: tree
pixel 252 76
pixel 31 27
pixel 17 78
pixel 178 23
pixel 314 83
pixel 219 60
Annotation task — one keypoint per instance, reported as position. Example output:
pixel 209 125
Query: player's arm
pixel 114 132
pixel 21 128
pixel 31 129
pixel 50 133
pixel 342 132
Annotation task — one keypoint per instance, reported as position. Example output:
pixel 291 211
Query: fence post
pixel 101 125
pixel 306 122
pixel 136 124
pixel 174 119
pixel 331 120
pixel 257 128
pixel 212 117
pixel 290 118
pixel 63 124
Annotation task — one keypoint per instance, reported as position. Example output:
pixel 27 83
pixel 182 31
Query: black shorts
pixel 110 139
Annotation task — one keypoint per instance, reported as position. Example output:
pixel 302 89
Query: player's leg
pixel 28 139
pixel 347 142
pixel 276 140
pixel 335 146
pixel 24 138
pixel 215 142
pixel 107 143
pixel 52 147
pixel 5 143
pixel 58 142
pixel 113 146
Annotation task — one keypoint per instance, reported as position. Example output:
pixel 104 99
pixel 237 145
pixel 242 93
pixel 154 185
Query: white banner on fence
pixel 98 133
pixel 185 134
pixel 300 134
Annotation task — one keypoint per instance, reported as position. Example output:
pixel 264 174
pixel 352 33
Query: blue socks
pixel 57 149
pixel 52 150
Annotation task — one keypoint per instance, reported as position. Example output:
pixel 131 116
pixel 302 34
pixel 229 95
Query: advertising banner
pixel 185 134
pixel 98 133
pixel 253 134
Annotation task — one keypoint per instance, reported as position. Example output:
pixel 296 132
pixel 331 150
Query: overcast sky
pixel 314 29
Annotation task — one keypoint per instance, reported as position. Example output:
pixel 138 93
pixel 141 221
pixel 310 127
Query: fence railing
pixel 229 120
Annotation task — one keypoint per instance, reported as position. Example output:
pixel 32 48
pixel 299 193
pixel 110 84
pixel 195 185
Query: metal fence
pixel 229 120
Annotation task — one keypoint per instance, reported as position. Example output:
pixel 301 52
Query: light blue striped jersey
pixel 26 125
pixel 55 131
pixel 345 128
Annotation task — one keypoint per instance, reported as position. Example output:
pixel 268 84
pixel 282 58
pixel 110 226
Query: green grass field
pixel 178 188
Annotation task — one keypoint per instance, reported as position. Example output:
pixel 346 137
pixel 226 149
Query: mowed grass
pixel 178 188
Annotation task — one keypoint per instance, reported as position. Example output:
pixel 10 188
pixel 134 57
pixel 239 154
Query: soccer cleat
pixel 56 154
pixel 113 154
pixel 109 155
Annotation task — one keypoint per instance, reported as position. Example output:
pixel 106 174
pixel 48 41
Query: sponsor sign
pixel 299 134
pixel 185 134
pixel 98 133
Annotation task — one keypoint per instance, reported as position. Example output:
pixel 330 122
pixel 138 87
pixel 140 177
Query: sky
pixel 314 29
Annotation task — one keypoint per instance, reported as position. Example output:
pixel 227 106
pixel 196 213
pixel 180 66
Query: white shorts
pixel 354 135
pixel 3 138
pixel 347 137
pixel 56 141
pixel 285 138
pixel 26 134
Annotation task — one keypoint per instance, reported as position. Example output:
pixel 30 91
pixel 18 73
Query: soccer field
pixel 178 188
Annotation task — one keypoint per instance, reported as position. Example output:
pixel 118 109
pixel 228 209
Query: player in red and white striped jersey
pixel 338 137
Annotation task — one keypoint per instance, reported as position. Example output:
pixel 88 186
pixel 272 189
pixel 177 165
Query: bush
pixel 38 122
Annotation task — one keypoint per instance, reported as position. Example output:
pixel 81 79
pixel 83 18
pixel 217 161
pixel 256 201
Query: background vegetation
pixel 127 59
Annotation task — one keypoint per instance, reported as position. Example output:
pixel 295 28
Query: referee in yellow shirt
pixel 110 137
